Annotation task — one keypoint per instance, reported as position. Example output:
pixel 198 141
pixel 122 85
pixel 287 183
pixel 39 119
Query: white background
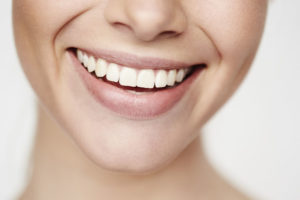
pixel 254 140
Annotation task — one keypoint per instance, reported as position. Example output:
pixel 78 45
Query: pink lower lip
pixel 134 106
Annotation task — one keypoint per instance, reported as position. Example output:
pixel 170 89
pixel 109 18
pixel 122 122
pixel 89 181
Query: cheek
pixel 242 28
pixel 235 26
pixel 237 36
pixel 36 24
pixel 41 20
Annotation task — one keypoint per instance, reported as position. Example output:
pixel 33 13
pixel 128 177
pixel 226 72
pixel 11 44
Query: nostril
pixel 125 27
pixel 167 34
pixel 122 26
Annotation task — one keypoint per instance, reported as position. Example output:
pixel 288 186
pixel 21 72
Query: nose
pixel 147 19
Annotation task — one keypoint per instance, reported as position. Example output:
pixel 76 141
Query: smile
pixel 134 87
pixel 132 77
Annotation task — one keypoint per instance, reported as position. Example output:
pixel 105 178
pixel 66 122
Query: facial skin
pixel 222 34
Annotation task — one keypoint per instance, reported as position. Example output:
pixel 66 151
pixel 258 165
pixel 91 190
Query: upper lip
pixel 130 60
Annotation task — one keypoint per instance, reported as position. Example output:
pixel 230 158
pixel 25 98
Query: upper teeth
pixel 126 76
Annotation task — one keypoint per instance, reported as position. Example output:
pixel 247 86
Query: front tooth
pixel 161 79
pixel 101 68
pixel 171 77
pixel 146 78
pixel 180 75
pixel 128 77
pixel 80 55
pixel 85 60
pixel 91 64
pixel 113 72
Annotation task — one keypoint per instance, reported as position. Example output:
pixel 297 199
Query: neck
pixel 62 171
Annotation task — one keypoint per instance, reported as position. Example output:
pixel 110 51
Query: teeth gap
pixel 191 70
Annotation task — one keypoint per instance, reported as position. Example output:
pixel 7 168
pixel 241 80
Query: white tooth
pixel 180 75
pixel 80 55
pixel 171 77
pixel 91 64
pixel 113 72
pixel 85 60
pixel 101 68
pixel 146 78
pixel 128 77
pixel 161 79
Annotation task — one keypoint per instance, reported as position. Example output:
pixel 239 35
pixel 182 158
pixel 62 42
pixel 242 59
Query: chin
pixel 136 164
pixel 131 158
pixel 130 149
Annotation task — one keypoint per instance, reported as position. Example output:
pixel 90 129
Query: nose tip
pixel 148 25
pixel 148 19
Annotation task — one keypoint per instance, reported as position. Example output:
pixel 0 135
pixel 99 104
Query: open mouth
pixel 133 79
pixel 134 87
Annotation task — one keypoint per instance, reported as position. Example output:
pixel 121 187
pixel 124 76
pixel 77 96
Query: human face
pixel 132 129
